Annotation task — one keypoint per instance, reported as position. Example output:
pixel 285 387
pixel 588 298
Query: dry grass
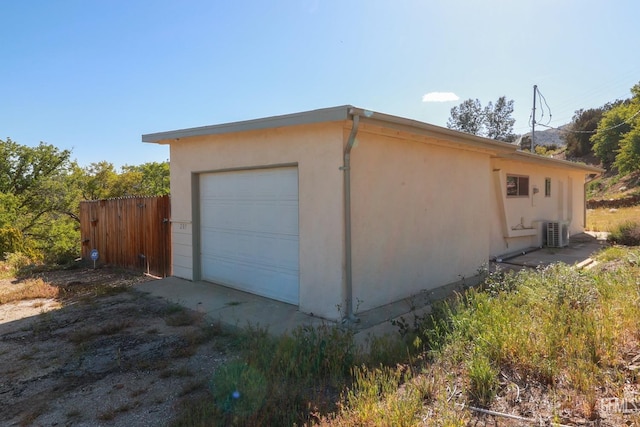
pixel 609 219
pixel 109 328
pixel 6 272
pixel 184 318
pixel 26 290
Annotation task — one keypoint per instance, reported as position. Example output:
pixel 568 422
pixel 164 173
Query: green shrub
pixel 627 233
pixel 62 243
pixel 501 281
pixel 595 187
pixel 17 261
pixel 11 240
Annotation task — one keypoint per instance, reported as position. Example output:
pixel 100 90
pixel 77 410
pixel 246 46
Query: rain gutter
pixel 349 316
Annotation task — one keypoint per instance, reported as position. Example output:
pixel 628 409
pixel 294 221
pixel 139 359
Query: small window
pixel 517 186
pixel 547 187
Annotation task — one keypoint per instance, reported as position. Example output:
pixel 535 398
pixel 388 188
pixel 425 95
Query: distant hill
pixel 545 137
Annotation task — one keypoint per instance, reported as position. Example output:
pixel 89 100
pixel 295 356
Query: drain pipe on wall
pixel 346 168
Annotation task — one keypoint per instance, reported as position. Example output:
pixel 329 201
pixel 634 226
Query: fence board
pixel 130 232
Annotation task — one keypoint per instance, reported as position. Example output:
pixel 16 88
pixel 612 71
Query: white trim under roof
pixel 502 150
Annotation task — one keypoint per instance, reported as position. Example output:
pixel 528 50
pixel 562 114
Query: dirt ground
pixel 102 354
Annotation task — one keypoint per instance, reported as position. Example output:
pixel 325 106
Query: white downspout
pixel 346 168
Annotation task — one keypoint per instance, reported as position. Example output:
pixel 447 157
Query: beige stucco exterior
pixel 509 214
pixel 316 150
pixel 420 220
pixel 428 205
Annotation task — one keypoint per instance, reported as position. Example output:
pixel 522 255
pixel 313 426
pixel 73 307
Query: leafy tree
pixel 101 181
pixel 22 168
pixel 493 121
pixel 616 142
pixel 606 140
pixel 97 181
pixel 32 192
pixel 582 126
pixel 467 117
pixel 628 157
pixel 498 121
pixel 153 178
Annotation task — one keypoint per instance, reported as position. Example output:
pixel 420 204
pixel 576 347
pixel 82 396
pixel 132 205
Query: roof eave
pixel 538 159
pixel 332 114
pixel 308 117
pixel 501 149
pixel 434 131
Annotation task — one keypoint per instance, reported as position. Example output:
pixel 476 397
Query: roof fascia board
pixel 433 131
pixel 502 150
pixel 506 150
pixel 308 117
pixel 526 157
pixel 393 131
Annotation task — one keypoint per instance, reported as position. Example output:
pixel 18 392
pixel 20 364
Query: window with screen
pixel 517 186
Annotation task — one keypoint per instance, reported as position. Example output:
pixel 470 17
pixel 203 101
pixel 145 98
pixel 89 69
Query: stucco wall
pixel 425 213
pixel 420 217
pixel 566 203
pixel 317 150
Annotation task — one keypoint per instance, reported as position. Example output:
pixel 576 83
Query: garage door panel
pixel 285 223
pixel 267 250
pixel 253 217
pixel 253 278
pixel 249 231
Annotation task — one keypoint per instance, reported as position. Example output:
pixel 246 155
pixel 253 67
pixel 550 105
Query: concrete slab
pixel 579 251
pixel 233 308
pixel 237 309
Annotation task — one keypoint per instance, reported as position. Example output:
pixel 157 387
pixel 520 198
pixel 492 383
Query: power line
pixel 626 78
pixel 597 130
pixel 542 98
pixel 593 94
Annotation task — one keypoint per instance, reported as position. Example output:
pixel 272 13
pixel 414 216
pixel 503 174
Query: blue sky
pixel 93 76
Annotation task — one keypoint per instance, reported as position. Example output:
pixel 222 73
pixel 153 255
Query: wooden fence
pixel 130 232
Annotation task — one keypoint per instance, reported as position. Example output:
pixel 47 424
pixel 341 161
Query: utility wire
pixel 543 103
pixel 595 94
pixel 587 97
pixel 594 131
pixel 542 98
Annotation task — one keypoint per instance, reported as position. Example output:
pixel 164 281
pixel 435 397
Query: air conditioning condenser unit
pixel 557 234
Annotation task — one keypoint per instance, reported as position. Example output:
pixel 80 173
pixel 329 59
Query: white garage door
pixel 249 231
